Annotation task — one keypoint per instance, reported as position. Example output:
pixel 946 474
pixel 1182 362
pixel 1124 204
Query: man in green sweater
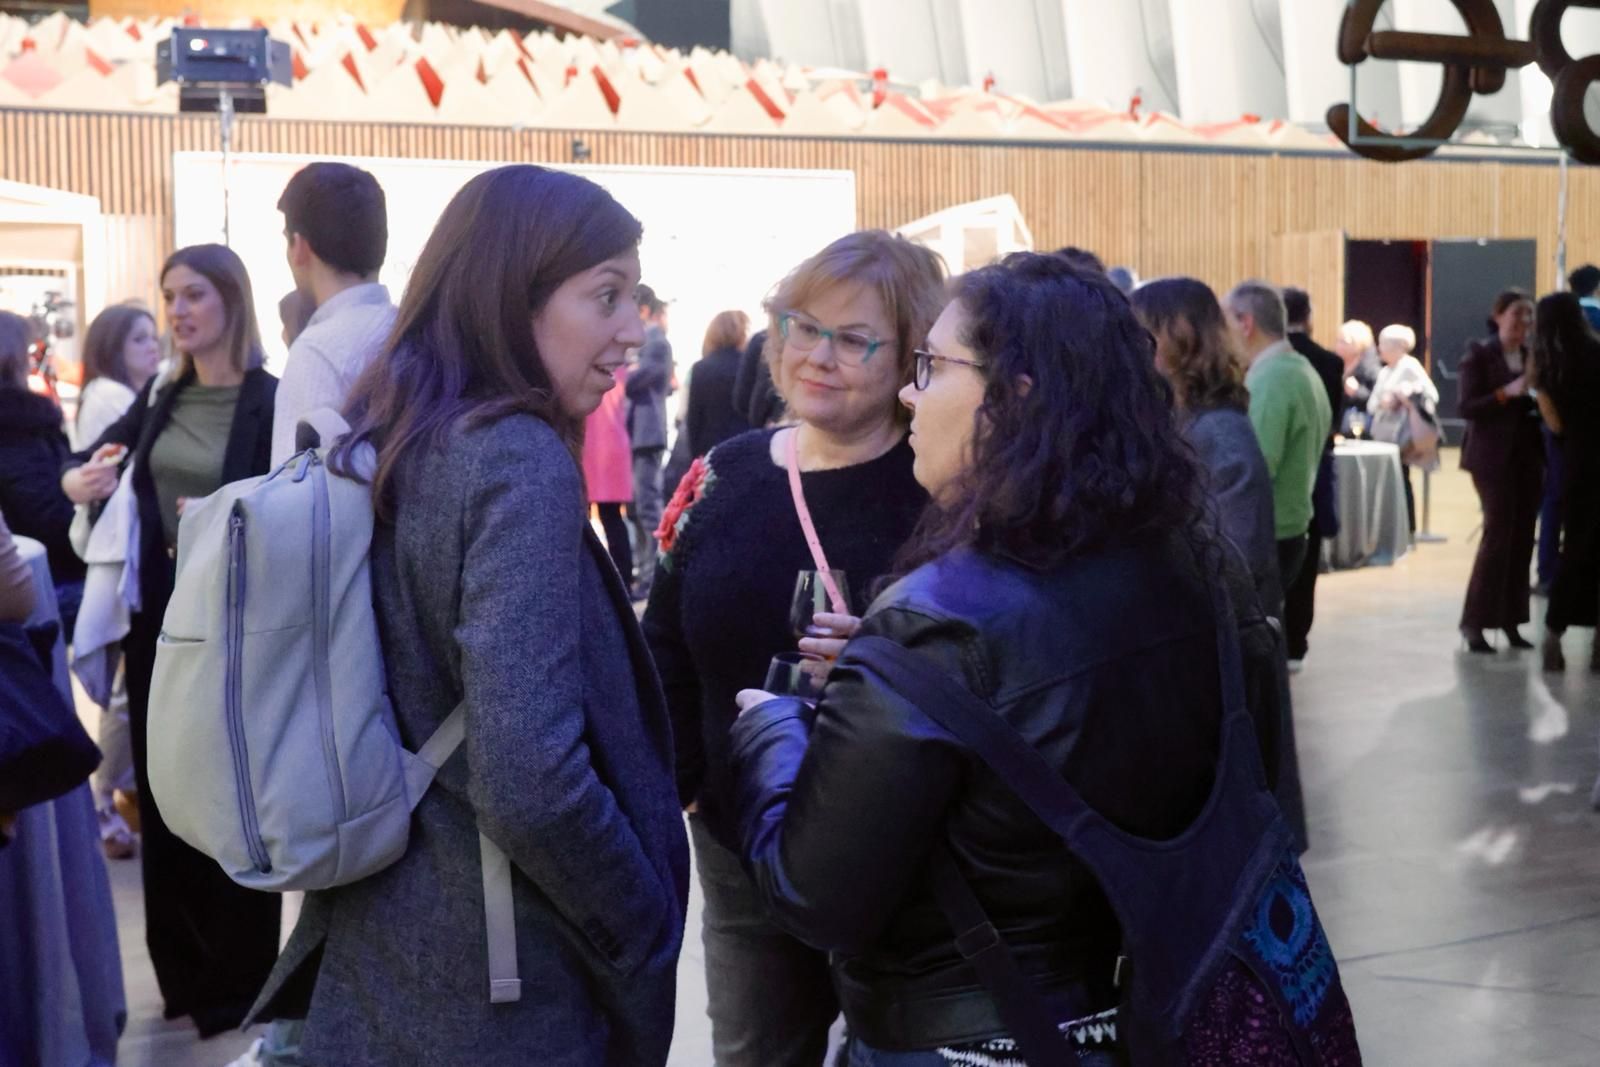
pixel 1289 410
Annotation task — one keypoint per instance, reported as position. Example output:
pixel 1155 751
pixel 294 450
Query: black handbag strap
pixel 1021 1008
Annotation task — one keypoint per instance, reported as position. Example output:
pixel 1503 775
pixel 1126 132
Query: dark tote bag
pixel 44 751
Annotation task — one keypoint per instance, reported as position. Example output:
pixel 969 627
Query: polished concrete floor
pixel 1455 858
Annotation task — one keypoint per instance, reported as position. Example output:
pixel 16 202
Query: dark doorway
pixel 1385 284
pixel 1466 277
pixel 1441 289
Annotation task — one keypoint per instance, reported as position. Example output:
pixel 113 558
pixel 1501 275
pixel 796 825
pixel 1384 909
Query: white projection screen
pixel 714 239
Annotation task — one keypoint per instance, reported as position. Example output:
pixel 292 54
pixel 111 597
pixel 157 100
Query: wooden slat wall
pixel 1316 263
pixel 1213 215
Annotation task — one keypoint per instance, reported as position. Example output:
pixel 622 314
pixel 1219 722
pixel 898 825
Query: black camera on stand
pixel 226 71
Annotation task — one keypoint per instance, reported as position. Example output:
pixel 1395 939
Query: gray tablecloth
pixel 1373 529
pixel 61 997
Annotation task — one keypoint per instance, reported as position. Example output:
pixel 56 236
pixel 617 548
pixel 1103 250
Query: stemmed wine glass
pixel 811 598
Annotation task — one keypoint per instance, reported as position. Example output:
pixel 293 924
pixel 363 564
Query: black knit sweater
pixel 719 608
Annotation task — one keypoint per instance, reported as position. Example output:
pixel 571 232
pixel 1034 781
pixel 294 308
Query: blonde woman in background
pixel 1356 346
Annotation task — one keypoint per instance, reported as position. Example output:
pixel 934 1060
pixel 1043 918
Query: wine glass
pixel 811 598
pixel 1358 424
pixel 797 674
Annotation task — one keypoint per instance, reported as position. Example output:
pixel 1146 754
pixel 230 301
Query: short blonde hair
pixel 730 329
pixel 908 278
pixel 1398 336
pixel 1357 333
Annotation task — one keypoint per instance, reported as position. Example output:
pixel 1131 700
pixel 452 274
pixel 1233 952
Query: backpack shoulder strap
pixel 948 702
pixel 498 906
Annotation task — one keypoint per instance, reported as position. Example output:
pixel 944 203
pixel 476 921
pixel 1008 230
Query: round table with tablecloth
pixel 61 993
pixel 1373 527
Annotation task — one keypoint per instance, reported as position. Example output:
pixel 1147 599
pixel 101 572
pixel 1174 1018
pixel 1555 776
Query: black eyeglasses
pixel 924 369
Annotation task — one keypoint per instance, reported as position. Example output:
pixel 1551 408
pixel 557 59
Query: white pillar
pixel 915 39
pixel 1021 42
pixel 1118 47
pixel 1316 78
pixel 1229 55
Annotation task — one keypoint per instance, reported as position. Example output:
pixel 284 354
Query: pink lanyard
pixel 835 597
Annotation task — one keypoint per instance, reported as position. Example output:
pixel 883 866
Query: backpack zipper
pixel 322 622
pixel 235 695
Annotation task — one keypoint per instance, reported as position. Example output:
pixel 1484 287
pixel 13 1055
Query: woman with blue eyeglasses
pixel 842 334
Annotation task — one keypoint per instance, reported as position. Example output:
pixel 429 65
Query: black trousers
pixel 617 542
pixel 1497 594
pixel 212 941
pixel 1300 599
pixel 1291 557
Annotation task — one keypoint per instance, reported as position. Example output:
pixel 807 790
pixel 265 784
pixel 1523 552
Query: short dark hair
pixel 646 298
pixel 1082 258
pixel 1585 280
pixel 341 212
pixel 1296 305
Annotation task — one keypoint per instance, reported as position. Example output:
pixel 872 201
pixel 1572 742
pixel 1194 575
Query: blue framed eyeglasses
pixel 851 347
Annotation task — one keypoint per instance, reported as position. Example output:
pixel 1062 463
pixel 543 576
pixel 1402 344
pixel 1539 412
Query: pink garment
pixel 607 453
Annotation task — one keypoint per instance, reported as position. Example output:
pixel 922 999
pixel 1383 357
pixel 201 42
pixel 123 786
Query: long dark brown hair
pixel 1565 348
pixel 1203 362
pixel 222 267
pixel 462 346
pixel 1075 444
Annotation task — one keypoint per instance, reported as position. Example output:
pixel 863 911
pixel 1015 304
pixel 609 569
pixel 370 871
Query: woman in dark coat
pixel 33 446
pixel 1064 584
pixel 1504 453
pixel 212 942
pixel 1567 377
pixel 493 593
pixel 712 417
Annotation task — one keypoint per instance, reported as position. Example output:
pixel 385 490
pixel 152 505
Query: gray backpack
pixel 273 746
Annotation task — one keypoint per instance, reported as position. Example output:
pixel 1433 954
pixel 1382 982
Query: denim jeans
pixel 647 506
pixel 770 998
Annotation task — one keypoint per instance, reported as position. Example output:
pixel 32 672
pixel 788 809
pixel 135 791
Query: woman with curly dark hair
pixel 1065 596
pixel 1196 353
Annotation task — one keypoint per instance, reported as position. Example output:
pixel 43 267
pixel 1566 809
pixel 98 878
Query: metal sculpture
pixel 1474 63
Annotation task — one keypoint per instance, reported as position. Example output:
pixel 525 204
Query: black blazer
pixel 1330 369
pixel 712 417
pixel 248 454
pixel 1502 438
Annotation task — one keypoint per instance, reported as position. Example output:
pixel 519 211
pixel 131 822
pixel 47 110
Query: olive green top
pixel 186 460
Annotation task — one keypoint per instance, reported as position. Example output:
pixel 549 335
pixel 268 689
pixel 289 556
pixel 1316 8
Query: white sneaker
pixel 251 1057
pixel 1296 666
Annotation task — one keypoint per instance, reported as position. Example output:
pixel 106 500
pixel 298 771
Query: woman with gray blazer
pixel 491 590
pixel 1195 353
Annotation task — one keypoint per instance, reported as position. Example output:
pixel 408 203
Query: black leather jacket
pixel 1106 664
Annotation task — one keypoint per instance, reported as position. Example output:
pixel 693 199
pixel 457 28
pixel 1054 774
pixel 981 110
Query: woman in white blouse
pixel 1403 380
pixel 121 353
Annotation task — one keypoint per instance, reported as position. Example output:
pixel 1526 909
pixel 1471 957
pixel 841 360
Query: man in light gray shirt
pixel 336 223
pixel 337 227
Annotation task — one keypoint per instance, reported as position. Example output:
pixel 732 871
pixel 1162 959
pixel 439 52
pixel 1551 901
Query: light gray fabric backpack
pixel 273 747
